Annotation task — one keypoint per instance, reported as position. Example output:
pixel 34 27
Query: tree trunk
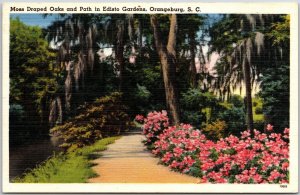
pixel 119 53
pixel 167 55
pixel 140 34
pixel 247 79
pixel 193 72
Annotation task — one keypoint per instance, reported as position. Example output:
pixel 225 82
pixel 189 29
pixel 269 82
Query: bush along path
pixel 129 161
pixel 254 157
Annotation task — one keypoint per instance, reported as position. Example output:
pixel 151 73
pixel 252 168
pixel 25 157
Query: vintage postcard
pixel 150 97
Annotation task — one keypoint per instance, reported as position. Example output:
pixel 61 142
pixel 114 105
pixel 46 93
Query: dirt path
pixel 128 161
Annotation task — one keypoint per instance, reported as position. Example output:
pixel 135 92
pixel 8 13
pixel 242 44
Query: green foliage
pixel 280 32
pixel 215 130
pixel 275 82
pixel 143 93
pixel 195 98
pixel 197 107
pixel 237 101
pixel 275 87
pixel 145 89
pixel 33 80
pixel 258 110
pixel 105 117
pixel 271 38
pixel 72 167
pixel 31 63
pixel 235 119
pixel 225 32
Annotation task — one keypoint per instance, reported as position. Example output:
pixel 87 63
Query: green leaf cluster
pixel 106 116
pixel 33 80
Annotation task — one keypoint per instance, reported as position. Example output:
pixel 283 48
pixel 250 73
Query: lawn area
pixel 257 105
pixel 72 167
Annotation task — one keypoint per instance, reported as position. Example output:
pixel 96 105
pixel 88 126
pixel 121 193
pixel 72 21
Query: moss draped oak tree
pixel 245 52
pixel 167 55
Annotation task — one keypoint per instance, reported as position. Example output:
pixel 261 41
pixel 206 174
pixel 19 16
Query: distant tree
pixel 74 37
pixel 245 52
pixel 33 79
pixel 189 43
pixel 275 83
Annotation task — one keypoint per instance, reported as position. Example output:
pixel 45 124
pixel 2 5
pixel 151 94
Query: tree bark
pixel 119 53
pixel 247 79
pixel 140 37
pixel 167 55
pixel 193 71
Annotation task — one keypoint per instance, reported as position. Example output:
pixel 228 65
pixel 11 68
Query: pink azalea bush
pixel 258 158
pixel 153 125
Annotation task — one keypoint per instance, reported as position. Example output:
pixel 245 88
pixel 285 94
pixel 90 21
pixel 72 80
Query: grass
pixel 258 117
pixel 72 167
pixel 258 104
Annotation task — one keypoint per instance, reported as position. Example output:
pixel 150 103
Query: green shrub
pixel 235 119
pixel 215 130
pixel 105 117
pixel 259 124
pixel 258 110
pixel 236 100
pixel 254 104
pixel 275 86
pixel 193 117
pixel 197 106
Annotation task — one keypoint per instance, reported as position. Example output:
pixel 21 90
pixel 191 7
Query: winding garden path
pixel 128 161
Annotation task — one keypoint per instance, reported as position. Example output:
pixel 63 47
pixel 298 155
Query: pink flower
pixel 156 151
pixel 284 181
pixel 139 118
pixel 285 166
pixel 174 164
pixel 186 170
pixel 167 157
pixel 150 135
pixel 274 175
pixel 177 151
pixel 164 113
pixel 204 179
pixel 195 133
pixel 207 165
pixel 286 131
pixel 245 134
pixel 256 132
pixel 188 160
pixel 166 124
pixel 269 127
pixel 257 178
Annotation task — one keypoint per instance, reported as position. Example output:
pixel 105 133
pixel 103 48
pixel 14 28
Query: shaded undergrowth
pixel 71 167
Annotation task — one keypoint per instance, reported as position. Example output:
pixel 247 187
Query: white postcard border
pixel 238 8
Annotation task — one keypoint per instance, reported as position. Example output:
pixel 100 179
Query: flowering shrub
pixel 260 158
pixel 215 130
pixel 153 125
pixel 95 121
